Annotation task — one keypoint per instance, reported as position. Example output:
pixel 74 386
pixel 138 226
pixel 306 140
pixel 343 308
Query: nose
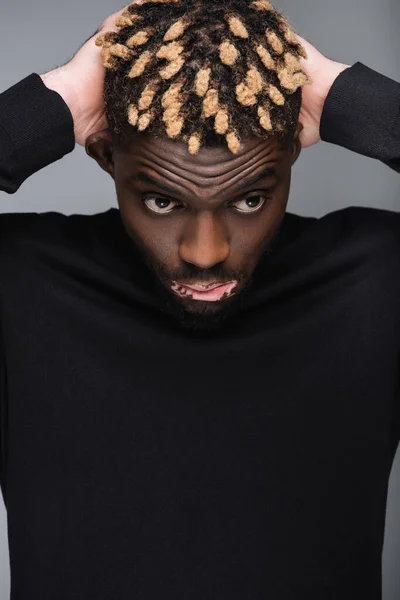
pixel 205 243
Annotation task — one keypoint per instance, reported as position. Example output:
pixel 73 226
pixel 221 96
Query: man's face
pixel 203 222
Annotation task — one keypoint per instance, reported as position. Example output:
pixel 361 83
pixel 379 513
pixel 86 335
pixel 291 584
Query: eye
pixel 251 204
pixel 161 206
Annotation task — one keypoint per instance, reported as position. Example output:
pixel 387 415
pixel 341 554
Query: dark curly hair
pixel 202 71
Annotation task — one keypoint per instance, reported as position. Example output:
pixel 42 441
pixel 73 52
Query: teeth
pixel 207 287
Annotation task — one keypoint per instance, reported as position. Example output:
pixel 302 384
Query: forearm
pixel 36 129
pixel 59 80
pixel 362 113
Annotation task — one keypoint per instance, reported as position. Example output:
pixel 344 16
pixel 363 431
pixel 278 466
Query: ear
pixel 100 147
pixel 296 145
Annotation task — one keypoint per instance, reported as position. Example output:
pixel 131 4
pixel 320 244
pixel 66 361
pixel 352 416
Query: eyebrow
pixel 267 173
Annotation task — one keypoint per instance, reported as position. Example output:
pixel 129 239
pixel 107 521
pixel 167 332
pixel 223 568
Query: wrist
pixel 327 78
pixel 59 81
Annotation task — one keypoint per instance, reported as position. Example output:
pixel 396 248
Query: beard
pixel 196 315
pixel 199 316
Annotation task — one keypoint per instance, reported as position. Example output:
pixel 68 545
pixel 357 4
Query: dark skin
pixel 214 221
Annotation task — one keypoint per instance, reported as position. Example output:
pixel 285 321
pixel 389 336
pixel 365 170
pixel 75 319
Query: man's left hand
pixel 323 73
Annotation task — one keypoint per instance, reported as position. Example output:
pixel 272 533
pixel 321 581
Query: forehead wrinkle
pixel 179 150
pixel 241 171
pixel 251 170
pixel 194 189
pixel 178 175
pixel 167 177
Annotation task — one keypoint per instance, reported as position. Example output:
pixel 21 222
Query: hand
pixel 323 73
pixel 81 81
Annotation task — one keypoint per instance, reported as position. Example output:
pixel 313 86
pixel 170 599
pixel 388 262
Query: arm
pixel 353 107
pixel 362 114
pixel 42 116
pixel 36 129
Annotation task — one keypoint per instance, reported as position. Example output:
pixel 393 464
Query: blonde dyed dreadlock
pixel 203 71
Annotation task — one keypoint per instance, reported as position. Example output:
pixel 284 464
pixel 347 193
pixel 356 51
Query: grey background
pixel 36 37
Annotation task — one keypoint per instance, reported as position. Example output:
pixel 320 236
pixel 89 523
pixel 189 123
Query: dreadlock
pixel 203 71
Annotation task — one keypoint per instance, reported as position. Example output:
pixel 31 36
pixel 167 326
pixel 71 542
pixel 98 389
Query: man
pixel 199 391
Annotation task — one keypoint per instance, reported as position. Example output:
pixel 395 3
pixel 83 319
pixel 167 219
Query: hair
pixel 203 72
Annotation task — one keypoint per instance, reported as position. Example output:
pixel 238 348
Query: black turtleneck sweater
pixel 140 461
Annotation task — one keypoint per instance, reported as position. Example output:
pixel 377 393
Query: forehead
pixel 211 165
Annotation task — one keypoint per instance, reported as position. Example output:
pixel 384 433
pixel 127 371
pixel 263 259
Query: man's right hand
pixel 80 83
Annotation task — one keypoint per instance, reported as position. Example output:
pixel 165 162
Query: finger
pixel 309 48
pixel 109 23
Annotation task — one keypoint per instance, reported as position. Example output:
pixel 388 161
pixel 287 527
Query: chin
pixel 202 323
pixel 201 316
pixel 199 308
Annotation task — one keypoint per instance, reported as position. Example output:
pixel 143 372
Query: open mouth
pixel 212 292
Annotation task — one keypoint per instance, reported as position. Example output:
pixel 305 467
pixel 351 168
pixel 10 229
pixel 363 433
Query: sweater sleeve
pixel 36 129
pixel 362 114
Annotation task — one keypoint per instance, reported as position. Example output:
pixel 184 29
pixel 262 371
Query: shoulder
pixel 352 239
pixel 354 226
pixel 31 240
pixel 20 226
pixel 21 232
pixel 364 233
pixel 363 219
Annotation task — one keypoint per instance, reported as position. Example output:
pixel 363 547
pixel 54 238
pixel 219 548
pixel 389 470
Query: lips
pixel 211 292
pixel 199 287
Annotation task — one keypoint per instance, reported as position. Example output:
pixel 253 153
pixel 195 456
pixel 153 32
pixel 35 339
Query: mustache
pixel 187 271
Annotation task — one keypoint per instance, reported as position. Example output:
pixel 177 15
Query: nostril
pixel 205 242
pixel 204 256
